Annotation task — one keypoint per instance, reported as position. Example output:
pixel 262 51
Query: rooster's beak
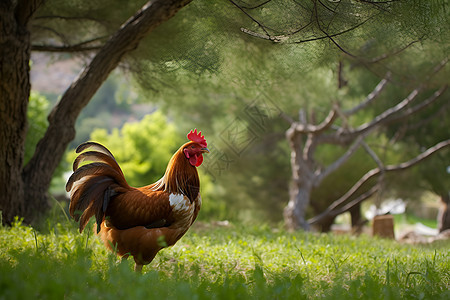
pixel 205 150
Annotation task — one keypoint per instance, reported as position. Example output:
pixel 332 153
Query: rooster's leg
pixel 138 268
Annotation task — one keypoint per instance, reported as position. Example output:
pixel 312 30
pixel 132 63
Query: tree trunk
pixel 25 193
pixel 325 224
pixel 14 95
pixel 444 213
pixel 355 214
pixel 357 219
pixel 295 211
pixel 301 187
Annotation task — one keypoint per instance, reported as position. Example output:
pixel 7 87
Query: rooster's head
pixel 195 148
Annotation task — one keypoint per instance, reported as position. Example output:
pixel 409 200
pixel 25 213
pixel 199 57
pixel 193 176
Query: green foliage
pixel 206 71
pixel 109 108
pixel 210 72
pixel 38 108
pixel 143 148
pixel 80 21
pixel 221 263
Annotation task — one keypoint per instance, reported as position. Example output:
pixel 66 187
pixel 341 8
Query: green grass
pixel 221 263
pixel 410 219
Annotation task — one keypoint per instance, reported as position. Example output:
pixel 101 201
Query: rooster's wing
pixel 140 207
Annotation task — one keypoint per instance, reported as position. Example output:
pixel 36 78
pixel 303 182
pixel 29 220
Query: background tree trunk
pixel 444 213
pixel 294 212
pixel 355 214
pixel 301 186
pixel 325 224
pixel 14 94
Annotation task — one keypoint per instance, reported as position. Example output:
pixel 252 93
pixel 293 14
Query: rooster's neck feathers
pixel 180 177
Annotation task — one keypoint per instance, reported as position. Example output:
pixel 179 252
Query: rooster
pixel 137 221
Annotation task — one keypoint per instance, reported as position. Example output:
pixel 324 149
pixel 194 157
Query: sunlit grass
pixel 221 263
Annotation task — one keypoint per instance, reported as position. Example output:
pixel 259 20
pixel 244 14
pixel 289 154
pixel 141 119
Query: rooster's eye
pixel 192 146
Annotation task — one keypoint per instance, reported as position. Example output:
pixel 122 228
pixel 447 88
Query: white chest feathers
pixel 181 204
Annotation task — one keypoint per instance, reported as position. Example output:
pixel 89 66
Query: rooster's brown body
pixel 137 221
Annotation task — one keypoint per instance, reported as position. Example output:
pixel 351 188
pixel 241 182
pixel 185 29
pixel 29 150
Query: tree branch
pixel 370 174
pixel 253 19
pixel 388 116
pixel 396 52
pixel 287 35
pixel 256 6
pixel 332 115
pixel 381 167
pixel 393 114
pixel 25 9
pixel 61 36
pixel 287 118
pixel 372 96
pixel 70 48
pixel 373 155
pixel 412 110
pixel 68 18
pixel 442 111
pixel 418 158
pixel 309 128
pixel 66 49
pixel 339 162
pixel 383 117
pixel 355 201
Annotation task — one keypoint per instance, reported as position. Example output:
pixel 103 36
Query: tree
pixel 182 56
pixel 23 188
pixel 354 28
pixel 357 28
pixel 435 174
pixel 304 139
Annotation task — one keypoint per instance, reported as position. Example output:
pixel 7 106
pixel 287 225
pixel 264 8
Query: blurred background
pixel 242 73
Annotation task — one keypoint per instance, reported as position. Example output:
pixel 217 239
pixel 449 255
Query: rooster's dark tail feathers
pixel 93 185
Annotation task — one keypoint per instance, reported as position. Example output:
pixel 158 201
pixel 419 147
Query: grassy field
pixel 221 263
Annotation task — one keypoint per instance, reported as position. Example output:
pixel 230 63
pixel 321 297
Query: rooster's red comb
pixel 197 137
